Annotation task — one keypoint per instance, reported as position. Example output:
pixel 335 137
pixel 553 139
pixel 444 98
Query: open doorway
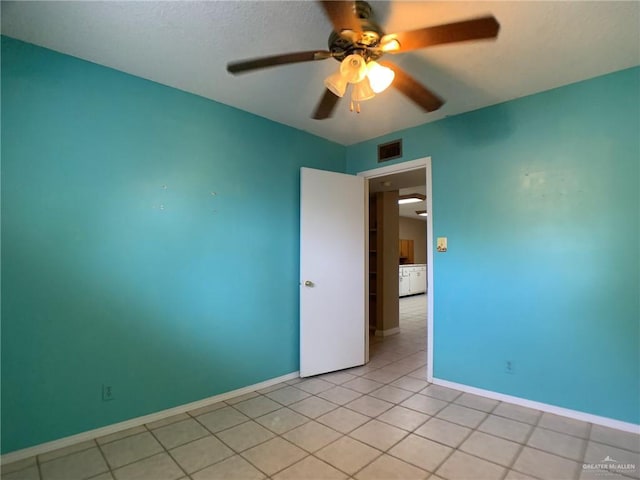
pixel 400 340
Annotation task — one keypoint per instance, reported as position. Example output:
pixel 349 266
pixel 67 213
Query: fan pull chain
pixel 351 106
pixel 357 106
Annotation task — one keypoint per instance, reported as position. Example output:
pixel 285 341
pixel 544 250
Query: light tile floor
pixel 379 421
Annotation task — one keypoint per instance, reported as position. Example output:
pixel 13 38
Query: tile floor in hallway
pixel 380 421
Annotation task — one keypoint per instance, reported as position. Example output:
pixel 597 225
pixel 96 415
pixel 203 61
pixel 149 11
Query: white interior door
pixel 332 271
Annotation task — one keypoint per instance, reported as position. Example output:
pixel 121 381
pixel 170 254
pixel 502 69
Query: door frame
pixel 419 163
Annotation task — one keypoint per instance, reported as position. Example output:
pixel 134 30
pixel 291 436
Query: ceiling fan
pixel 358 42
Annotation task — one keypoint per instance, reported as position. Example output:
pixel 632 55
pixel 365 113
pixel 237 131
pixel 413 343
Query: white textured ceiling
pixel 187 45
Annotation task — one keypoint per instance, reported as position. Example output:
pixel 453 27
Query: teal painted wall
pixel 539 200
pixel 102 285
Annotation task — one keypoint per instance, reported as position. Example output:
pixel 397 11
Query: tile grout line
pixel 166 450
pixel 104 457
pixel 524 444
pixel 113 469
pixel 585 447
pixel 475 430
pixel 538 449
pixel 369 463
pixel 420 436
pixel 239 453
pixel 386 452
pixel 38 467
pixel 471 432
pixel 275 473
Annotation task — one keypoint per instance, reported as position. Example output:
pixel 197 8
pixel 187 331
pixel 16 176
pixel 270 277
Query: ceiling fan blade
pixel 325 106
pixel 342 15
pixel 275 60
pixel 414 90
pixel 476 29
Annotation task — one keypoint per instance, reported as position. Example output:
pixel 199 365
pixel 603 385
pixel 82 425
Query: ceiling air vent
pixel 389 151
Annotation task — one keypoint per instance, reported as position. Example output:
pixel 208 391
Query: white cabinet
pixel 417 281
pixel 405 285
pixel 413 279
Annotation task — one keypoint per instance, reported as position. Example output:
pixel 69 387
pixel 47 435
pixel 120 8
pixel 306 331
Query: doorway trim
pixel 419 163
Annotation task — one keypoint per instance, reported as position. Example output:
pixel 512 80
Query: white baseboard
pixel 134 422
pixel 565 412
pixel 387 332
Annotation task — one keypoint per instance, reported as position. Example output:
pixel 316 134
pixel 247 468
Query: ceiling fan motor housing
pixel 345 43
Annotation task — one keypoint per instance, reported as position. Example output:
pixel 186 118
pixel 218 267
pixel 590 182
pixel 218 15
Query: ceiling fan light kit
pixel 357 42
pixel 362 91
pixel 353 68
pixel 336 84
pixel 380 77
pixel 367 79
pixel 391 45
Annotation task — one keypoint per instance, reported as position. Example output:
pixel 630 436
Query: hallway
pixel 412 339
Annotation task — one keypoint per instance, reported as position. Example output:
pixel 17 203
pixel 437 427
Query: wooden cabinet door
pixel 406 251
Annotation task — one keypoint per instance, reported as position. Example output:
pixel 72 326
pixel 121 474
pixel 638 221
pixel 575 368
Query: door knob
pixel 308 283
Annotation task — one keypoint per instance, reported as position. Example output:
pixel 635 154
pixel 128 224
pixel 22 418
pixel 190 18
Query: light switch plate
pixel 441 244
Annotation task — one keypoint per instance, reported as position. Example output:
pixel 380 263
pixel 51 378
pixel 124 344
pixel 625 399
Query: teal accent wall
pixel 539 200
pixel 170 294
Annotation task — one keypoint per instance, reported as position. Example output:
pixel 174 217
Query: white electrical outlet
pixel 107 393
